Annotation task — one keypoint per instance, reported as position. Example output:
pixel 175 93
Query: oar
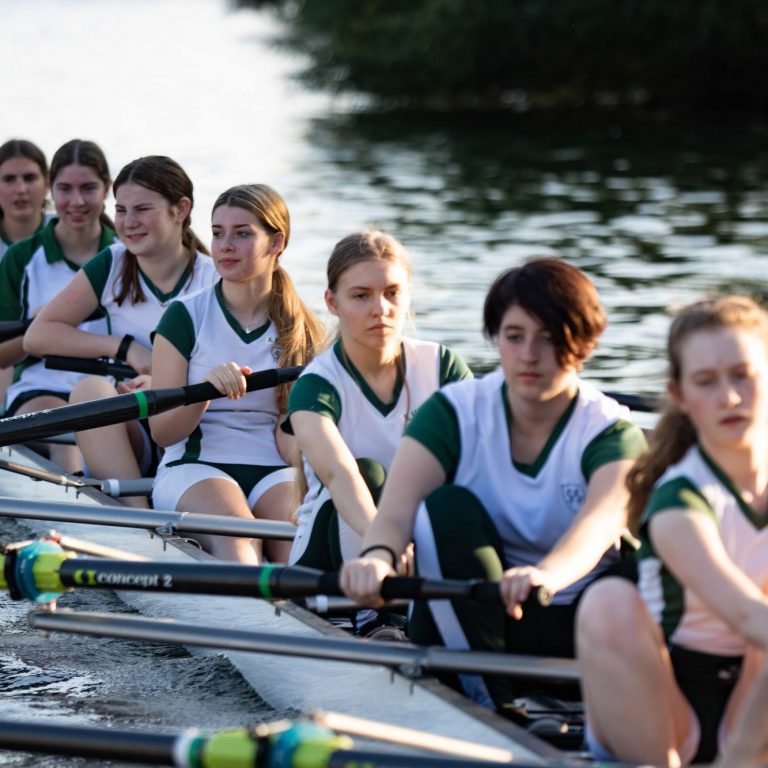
pixel 411 660
pixel 165 522
pixel 97 366
pixel 134 405
pixel 12 329
pixel 642 403
pixel 281 745
pixel 49 568
pixel 141 486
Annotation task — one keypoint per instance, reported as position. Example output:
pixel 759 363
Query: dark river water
pixel 657 213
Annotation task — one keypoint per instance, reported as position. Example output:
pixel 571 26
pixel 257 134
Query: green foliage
pixel 450 53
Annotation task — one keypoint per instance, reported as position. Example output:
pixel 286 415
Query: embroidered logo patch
pixel 574 495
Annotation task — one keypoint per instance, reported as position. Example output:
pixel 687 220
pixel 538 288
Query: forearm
pixel 581 548
pixel 352 499
pixel 11 352
pixel 58 338
pixel 176 425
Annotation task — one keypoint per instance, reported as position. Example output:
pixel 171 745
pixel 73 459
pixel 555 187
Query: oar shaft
pixel 94 743
pixel 410 658
pixel 177 523
pixel 96 365
pixel 122 408
pixel 12 329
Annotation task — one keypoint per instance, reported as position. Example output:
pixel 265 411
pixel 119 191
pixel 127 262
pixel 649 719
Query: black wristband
pixel 122 350
pixel 387 549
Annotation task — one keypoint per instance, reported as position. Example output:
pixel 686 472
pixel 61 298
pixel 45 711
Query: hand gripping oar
pixel 97 366
pixel 42 569
pixel 135 405
pixel 276 745
pixel 12 329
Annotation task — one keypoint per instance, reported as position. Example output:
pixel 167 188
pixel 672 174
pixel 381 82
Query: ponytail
pixel 669 442
pixel 300 335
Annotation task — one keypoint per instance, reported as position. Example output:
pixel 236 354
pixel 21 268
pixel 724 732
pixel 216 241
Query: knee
pixel 610 616
pixel 91 388
pixel 374 475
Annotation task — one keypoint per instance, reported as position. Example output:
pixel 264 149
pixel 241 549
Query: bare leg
pixel 111 451
pixel 220 497
pixel 277 504
pixel 6 378
pixel 747 718
pixel 633 704
pixel 67 457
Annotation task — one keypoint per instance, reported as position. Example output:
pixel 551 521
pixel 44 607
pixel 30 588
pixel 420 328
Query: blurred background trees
pixel 526 54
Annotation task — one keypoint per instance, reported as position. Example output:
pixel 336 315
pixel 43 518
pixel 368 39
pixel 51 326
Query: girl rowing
pixel 226 456
pixel 517 477
pixel 158 259
pixel 23 190
pixel 667 667
pixel 34 270
pixel 349 407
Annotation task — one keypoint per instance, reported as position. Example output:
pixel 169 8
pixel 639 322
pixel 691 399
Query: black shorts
pixel 31 394
pixel 707 681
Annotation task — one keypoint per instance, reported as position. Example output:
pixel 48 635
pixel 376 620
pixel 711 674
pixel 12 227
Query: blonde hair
pixel 300 335
pixel 674 433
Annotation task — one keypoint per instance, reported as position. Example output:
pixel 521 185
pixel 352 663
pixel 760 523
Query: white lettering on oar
pixel 144 581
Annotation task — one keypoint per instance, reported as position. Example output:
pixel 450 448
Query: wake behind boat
pixel 287 683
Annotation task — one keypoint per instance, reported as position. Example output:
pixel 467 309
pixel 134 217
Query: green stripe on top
pixel 141 401
pixel 264 578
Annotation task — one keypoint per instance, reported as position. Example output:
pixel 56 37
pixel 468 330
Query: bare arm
pixel 54 331
pixel 690 546
pixel 11 352
pixel 170 369
pixel 414 474
pixel 597 526
pixel 747 744
pixel 324 448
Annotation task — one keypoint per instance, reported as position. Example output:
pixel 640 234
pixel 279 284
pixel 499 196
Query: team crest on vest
pixel 574 495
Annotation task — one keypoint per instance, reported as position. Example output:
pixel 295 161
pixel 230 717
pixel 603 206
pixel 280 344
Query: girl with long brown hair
pixel 226 456
pixel 667 665
pixel 158 259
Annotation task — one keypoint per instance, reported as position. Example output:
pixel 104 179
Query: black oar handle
pixel 97 366
pixel 12 329
pixel 199 393
pixel 641 403
pixel 122 408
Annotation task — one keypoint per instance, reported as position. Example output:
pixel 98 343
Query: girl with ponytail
pixel 227 456
pixel 129 283
pixel 667 665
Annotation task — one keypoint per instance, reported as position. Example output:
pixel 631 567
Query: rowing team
pixel 529 476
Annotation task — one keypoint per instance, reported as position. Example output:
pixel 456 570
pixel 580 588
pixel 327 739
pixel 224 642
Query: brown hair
pixel 299 333
pixel 89 155
pixel 371 245
pixel 560 296
pixel 674 433
pixel 23 148
pixel 160 174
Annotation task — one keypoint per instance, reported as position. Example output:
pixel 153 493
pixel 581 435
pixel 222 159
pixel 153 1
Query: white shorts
pixel 172 483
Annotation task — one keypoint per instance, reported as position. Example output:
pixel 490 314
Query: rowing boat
pixel 382 693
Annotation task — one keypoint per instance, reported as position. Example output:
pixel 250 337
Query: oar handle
pixel 273 377
pixel 641 403
pixel 97 366
pixel 12 329
pixel 417 588
pixel 122 408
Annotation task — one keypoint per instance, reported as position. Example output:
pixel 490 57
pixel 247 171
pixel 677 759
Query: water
pixel 658 214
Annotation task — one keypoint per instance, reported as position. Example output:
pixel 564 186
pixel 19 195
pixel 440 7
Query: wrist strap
pixel 122 350
pixel 388 550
